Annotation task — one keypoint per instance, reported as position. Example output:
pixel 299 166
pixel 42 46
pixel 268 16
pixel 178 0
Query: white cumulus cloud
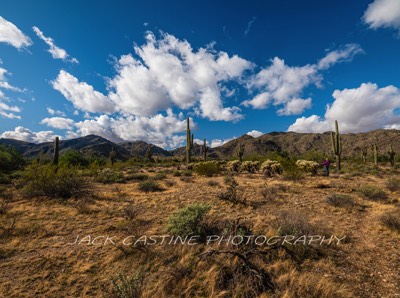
pixel 55 51
pixel 283 85
pixel 359 109
pixel 58 122
pixel 10 34
pixel 82 95
pixel 25 134
pixel 255 133
pixel 159 129
pixel 383 14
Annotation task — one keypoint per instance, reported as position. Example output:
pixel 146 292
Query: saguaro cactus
pixel 240 151
pixel 364 154
pixel 391 155
pixel 337 145
pixel 204 150
pixel 149 154
pixel 56 151
pixel 189 142
pixel 113 156
pixel 375 154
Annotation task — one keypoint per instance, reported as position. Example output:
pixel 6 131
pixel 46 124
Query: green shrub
pixel 187 173
pixel 63 184
pixel 5 179
pixel 176 173
pixel 208 168
pixel 10 159
pixel 188 221
pixel 73 158
pixel 231 194
pixel 159 176
pixel 137 177
pixel 149 186
pixel 373 193
pixel 108 175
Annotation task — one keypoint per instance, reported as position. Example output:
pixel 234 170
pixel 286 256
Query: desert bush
pixel 186 179
pixel 149 186
pixel 5 179
pixel 233 166
pixel 212 183
pixel 137 177
pixel 269 193
pixel 46 181
pixel 271 167
pixel 231 194
pixel 108 176
pixel 159 176
pixel 10 159
pixel 373 193
pixel 392 220
pixel 176 173
pixel 188 221
pixel 294 223
pixel 307 166
pixel 124 286
pixel 208 168
pixel 169 182
pixel 73 158
pixel 340 200
pixel 292 172
pixel 187 173
pixel 250 166
pixel 393 184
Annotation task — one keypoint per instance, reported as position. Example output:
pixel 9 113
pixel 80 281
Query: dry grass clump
pixel 231 193
pixel 150 186
pixel 373 193
pixel 123 286
pixel 392 220
pixel 393 184
pixel 340 200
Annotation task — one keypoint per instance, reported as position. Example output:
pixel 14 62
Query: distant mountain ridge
pixel 291 142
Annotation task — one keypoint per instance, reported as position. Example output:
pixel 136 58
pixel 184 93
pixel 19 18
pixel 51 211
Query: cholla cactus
pixel 391 155
pixel 337 145
pixel 240 151
pixel 250 166
pixel 233 166
pixel 307 166
pixel 189 142
pixel 271 167
pixel 113 156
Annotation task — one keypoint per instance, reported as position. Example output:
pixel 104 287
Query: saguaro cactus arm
pixel 189 141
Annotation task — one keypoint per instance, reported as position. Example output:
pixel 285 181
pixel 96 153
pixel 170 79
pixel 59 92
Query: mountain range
pixel 293 143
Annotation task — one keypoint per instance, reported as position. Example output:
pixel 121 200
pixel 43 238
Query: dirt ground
pixel 37 258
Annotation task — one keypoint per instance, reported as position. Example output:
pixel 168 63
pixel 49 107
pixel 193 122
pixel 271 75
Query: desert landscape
pixel 195 149
pixel 154 226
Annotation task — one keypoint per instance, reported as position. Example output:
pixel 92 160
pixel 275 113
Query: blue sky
pixel 135 71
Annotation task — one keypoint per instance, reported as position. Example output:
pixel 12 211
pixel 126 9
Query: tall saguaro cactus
pixel 391 155
pixel 337 145
pixel 240 151
pixel 364 154
pixel 375 154
pixel 113 156
pixel 189 142
pixel 56 151
pixel 204 150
